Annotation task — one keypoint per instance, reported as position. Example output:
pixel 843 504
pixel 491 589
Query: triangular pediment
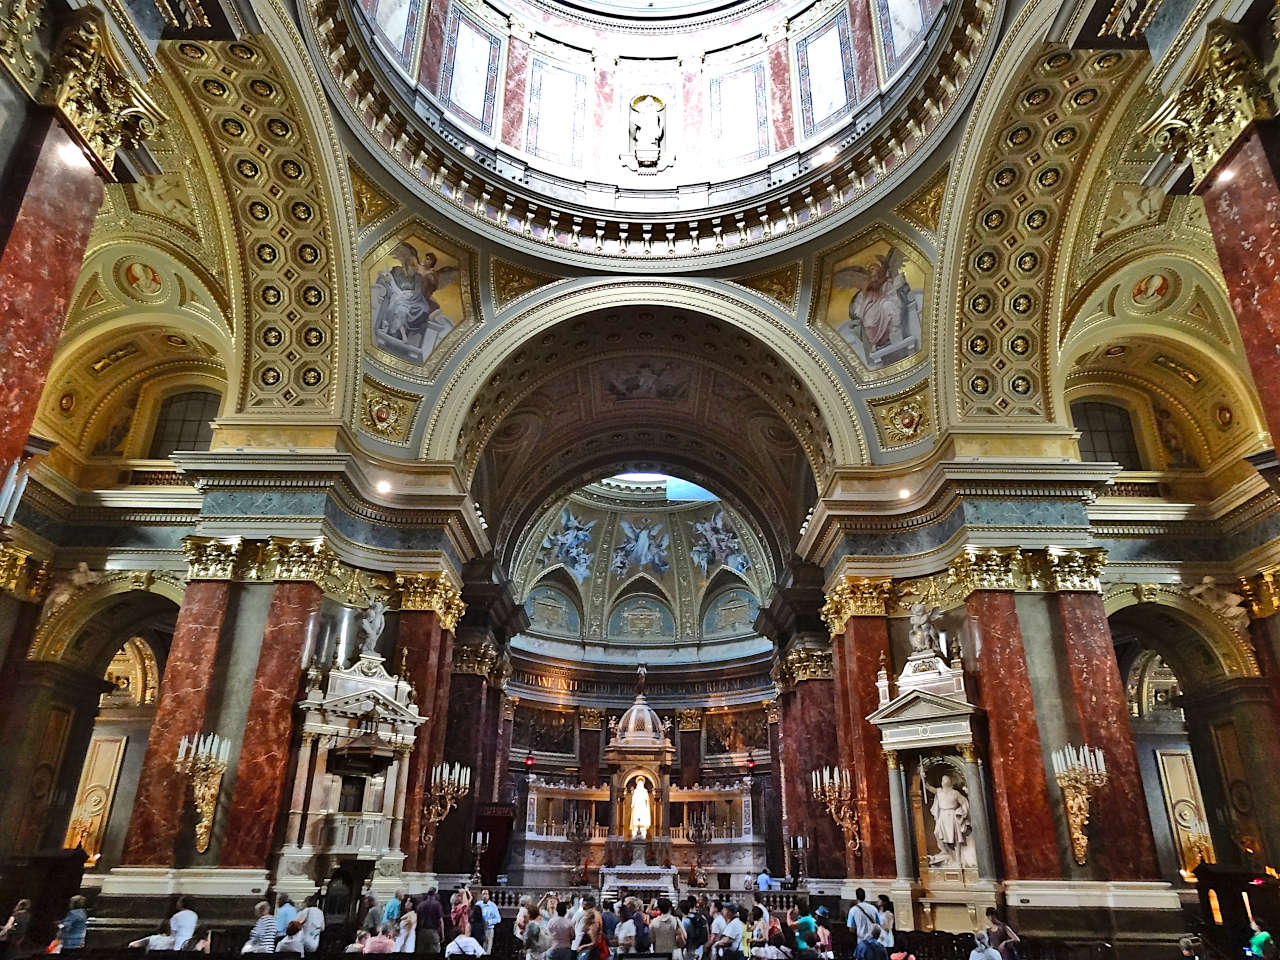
pixel 914 706
pixel 361 702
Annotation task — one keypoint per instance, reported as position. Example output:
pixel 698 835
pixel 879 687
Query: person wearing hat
pixel 729 943
pixel 823 917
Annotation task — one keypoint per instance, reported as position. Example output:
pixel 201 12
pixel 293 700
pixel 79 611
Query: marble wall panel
pixel 807 744
pixel 826 75
pixel 780 110
pixel 469 69
pixel 556 122
pixel 421 649
pixel 738 109
pixel 865 639
pixel 52 194
pixel 513 105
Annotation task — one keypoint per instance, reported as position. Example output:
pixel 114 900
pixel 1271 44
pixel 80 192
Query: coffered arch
pixel 804 387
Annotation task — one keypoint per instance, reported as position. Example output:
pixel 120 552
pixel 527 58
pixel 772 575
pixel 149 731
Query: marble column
pixel 503 786
pixel 862 644
pixel 51 195
pixel 397 809
pixel 265 755
pixel 774 811
pixel 690 722
pixel 973 775
pixel 421 651
pixel 902 846
pixel 807 744
pixel 1121 842
pixel 301 779
pixel 1242 203
pixel 1025 820
pixel 465 744
pixel 152 839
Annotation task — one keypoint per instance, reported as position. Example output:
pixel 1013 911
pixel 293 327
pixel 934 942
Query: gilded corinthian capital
pixel 423 590
pixel 856 597
pixel 986 568
pixel 211 559
pixel 1077 570
pixel 89 84
pixel 1225 93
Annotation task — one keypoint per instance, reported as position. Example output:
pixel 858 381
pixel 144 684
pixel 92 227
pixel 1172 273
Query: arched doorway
pixel 1199 727
pixel 84 702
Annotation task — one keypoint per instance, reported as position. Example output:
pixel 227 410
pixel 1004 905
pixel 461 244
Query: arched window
pixel 1106 434
pixel 183 423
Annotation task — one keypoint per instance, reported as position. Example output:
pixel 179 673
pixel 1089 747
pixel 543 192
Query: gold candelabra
pixel 203 760
pixel 1079 771
pixel 448 786
pixel 834 787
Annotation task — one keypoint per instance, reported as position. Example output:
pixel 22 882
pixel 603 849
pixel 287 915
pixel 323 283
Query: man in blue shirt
pixel 861 915
pixel 871 948
pixel 492 917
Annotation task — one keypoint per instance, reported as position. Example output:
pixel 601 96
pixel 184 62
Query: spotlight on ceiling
pixel 826 155
pixel 469 150
pixel 904 493
pixel 384 486
pixel 1226 176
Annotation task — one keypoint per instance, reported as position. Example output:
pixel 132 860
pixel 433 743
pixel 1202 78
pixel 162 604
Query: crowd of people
pixel 419 924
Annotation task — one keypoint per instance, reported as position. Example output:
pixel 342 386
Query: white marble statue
pixel 926 639
pixel 648 129
pixel 951 826
pixel 641 813
pixel 371 625
pixel 1223 602
pixel 67 586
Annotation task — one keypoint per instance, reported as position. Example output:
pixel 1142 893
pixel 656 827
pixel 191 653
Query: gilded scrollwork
pixel 856 597
pixel 426 590
pixel 90 86
pixel 1226 93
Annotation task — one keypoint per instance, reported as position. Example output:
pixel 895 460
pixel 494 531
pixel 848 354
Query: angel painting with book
pixel 884 314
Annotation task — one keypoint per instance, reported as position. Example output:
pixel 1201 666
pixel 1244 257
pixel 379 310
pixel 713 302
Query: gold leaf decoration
pixel 385 412
pixel 510 282
pixel 782 285
pixel 372 203
pixel 923 208
pixel 903 417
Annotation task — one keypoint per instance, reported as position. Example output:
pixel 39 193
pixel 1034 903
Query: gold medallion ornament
pixel 511 282
pixel 924 207
pixel 89 85
pixel 782 285
pixel 903 417
pixel 424 590
pixel 386 412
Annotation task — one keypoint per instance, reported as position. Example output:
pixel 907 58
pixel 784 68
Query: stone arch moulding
pixel 439 442
pixel 1230 650
pixel 59 628
pixel 1035 131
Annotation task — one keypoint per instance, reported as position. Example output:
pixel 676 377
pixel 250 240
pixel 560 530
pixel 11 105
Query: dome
pixel 640 726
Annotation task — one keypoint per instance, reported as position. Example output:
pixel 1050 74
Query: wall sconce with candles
pixel 479 845
pixel 1079 772
pixel 203 759
pixel 834 787
pixel 448 786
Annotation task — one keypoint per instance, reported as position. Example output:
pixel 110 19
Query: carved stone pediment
pixel 918 719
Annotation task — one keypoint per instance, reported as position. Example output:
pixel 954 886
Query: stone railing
pixel 360 834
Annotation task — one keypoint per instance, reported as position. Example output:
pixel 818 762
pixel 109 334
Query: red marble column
pixel 48 202
pixel 863 643
pixel 503 784
pixel 784 130
pixel 775 814
pixel 1024 819
pixel 589 754
pixel 1120 831
pixel 690 757
pixel 184 699
pixel 421 648
pixel 262 771
pixel 513 96
pixel 807 743
pixel 1242 202
pixel 465 744
pixel 433 48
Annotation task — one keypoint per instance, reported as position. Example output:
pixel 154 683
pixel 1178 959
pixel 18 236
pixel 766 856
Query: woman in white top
pixel 887 921
pixel 162 939
pixel 292 942
pixel 522 917
pixel 183 924
pixel 312 920
pixel 407 937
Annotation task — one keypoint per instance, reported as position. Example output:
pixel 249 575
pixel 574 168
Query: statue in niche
pixel 641 813
pixel 371 626
pixel 926 638
pixel 951 826
pixel 647 131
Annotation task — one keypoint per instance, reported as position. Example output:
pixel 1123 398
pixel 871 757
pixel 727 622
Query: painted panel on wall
pixel 642 618
pixel 557 113
pixel 731 614
pixel 469 82
pixel 740 114
pixel 551 610
pixel 901 28
pixel 827 81
pixel 396 25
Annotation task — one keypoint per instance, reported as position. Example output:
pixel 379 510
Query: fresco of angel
pixel 568 544
pixel 884 315
pixel 643 543
pixel 408 320
pixel 715 542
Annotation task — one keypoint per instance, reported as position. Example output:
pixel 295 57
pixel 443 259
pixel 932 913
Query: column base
pixel 132 900
pixel 197 881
